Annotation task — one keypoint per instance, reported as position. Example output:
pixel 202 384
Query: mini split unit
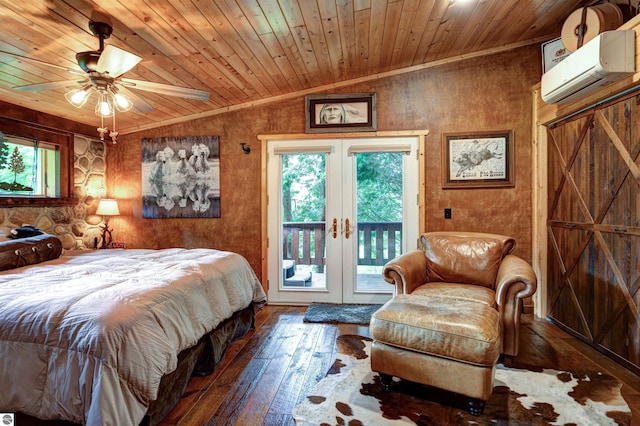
pixel 603 60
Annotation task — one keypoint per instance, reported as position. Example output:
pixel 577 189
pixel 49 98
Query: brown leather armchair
pixel 472 267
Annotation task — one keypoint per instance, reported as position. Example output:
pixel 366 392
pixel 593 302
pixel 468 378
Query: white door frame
pixel 409 146
pixel 276 291
pixel 420 134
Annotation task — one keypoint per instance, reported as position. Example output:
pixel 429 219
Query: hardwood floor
pixel 266 373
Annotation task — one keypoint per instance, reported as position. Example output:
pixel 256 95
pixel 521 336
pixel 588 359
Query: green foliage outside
pixel 379 187
pixel 4 151
pixel 378 195
pixel 303 188
pixel 379 191
pixel 14 161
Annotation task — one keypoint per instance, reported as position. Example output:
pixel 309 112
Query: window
pixel 29 168
pixel 34 172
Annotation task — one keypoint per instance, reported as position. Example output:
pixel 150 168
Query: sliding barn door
pixel 594 229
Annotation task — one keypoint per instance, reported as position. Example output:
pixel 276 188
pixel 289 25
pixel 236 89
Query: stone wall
pixel 77 226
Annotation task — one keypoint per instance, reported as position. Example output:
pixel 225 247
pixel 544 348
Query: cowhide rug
pixel 350 394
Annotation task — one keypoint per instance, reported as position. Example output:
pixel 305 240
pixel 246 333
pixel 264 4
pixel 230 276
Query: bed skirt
pixel 199 360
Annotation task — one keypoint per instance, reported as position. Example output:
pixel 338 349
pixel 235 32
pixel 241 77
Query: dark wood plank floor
pixel 266 373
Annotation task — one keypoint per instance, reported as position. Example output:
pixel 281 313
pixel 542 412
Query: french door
pixel 338 210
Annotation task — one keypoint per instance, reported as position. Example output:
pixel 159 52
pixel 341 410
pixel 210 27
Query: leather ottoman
pixel 443 342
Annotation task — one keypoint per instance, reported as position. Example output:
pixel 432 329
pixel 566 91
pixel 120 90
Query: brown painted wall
pixel 481 94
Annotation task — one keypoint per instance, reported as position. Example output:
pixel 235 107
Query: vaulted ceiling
pixel 248 52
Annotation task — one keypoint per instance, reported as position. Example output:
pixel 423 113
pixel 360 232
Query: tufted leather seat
pixel 472 266
pixel 456 329
pixel 456 308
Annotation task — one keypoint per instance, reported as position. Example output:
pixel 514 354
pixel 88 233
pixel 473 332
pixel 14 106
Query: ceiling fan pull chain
pixel 113 134
pixel 102 130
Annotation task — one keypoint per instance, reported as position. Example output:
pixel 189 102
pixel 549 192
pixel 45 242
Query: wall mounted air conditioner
pixel 603 60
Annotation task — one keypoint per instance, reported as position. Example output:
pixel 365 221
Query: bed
pixel 110 337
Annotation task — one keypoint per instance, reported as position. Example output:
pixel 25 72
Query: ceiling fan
pixel 102 72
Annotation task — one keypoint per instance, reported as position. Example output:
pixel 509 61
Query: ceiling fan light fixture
pixel 104 108
pixel 121 102
pixel 88 61
pixel 78 97
pixel 104 69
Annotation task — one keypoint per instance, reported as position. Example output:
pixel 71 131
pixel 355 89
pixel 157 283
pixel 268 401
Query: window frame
pixel 64 142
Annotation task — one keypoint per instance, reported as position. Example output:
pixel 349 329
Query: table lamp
pixel 107 208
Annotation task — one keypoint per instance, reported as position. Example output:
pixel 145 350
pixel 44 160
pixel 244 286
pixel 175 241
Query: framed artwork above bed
pixel 181 177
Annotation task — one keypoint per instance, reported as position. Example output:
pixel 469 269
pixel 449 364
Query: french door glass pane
pixel 303 220
pixel 379 216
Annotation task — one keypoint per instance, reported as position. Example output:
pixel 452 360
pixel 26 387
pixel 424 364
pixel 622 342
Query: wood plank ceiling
pixel 247 52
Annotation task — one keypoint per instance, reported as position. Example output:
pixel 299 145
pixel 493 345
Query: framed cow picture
pixel 478 160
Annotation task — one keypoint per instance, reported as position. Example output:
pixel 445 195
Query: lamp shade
pixel 78 97
pixel 108 207
pixel 122 102
pixel 103 107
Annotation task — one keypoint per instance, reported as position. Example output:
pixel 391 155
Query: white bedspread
pixel 88 336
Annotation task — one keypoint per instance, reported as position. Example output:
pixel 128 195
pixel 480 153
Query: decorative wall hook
pixel 245 148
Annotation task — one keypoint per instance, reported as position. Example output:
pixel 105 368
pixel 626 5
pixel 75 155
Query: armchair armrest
pixel 406 271
pixel 514 282
pixel 514 270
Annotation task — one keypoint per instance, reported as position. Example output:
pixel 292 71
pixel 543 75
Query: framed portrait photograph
pixel 351 112
pixel 478 160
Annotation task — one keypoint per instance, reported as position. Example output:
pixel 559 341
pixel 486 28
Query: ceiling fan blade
pixel 42 63
pixel 40 87
pixel 139 104
pixel 116 61
pixel 166 89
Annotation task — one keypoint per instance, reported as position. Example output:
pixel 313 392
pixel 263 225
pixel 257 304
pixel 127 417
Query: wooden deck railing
pixel 304 242
pixel 378 242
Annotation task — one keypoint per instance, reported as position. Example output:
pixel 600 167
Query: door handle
pixel 347 231
pixel 335 228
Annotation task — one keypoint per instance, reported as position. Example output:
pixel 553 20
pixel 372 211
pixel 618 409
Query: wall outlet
pixel 447 213
pixel 118 245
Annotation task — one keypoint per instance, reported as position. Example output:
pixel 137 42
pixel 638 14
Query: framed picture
pixel 181 177
pixel 553 52
pixel 477 160
pixel 355 112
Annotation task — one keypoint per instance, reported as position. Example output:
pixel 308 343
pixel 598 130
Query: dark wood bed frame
pixel 199 360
